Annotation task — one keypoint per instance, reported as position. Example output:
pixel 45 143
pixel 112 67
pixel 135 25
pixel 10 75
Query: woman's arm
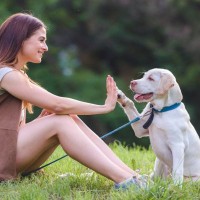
pixel 19 86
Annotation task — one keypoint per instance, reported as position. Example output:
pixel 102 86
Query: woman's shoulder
pixel 4 71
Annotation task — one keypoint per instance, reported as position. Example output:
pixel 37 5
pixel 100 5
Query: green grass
pixel 49 186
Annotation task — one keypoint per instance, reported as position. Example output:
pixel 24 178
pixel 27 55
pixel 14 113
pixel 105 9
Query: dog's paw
pixel 122 99
pixel 120 94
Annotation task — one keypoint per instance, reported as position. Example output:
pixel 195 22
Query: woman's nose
pixel 45 47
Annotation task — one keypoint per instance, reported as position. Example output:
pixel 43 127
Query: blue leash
pixel 102 137
pixel 121 127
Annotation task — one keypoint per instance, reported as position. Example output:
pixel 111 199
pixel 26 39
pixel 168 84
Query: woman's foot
pixel 139 182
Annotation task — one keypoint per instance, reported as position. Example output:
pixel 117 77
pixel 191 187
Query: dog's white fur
pixel 173 138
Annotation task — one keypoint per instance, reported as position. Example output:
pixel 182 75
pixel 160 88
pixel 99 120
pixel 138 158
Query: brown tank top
pixel 10 112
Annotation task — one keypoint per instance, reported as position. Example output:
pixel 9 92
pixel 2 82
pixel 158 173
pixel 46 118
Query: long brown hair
pixel 13 32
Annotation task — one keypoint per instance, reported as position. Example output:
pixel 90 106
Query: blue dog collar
pixel 168 108
pixel 164 109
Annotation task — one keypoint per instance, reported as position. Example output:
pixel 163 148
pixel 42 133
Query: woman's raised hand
pixel 111 99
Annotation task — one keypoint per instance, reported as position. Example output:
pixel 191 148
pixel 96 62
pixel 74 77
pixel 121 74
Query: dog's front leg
pixel 127 105
pixel 131 112
pixel 160 170
pixel 178 163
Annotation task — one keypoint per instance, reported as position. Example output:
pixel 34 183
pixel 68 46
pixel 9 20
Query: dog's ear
pixel 166 82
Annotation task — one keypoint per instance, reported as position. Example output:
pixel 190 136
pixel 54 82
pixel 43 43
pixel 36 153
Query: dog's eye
pixel 150 78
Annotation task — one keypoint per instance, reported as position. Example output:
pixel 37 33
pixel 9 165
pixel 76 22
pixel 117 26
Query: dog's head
pixel 156 85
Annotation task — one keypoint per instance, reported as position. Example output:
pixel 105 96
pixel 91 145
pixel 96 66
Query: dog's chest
pixel 160 142
pixel 158 138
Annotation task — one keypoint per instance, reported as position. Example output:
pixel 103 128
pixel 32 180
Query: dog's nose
pixel 133 83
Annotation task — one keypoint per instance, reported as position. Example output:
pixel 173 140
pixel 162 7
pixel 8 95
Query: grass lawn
pixel 50 186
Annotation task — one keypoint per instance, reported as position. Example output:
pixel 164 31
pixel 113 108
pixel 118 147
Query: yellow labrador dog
pixel 166 122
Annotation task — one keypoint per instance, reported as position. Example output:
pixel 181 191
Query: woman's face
pixel 33 48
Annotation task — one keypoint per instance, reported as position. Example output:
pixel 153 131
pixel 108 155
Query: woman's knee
pixel 61 120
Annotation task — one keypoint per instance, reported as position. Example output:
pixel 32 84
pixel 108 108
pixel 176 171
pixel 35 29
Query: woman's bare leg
pixel 101 144
pixel 38 136
pixel 43 157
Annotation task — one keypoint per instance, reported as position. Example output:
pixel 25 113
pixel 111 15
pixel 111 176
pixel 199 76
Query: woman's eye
pixel 42 39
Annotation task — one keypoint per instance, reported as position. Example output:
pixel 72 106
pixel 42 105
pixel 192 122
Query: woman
pixel 23 40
